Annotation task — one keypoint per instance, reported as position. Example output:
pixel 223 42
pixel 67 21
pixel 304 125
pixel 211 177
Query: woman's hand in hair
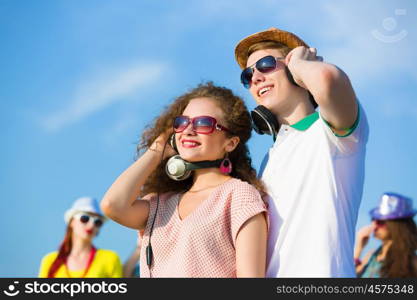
pixel 123 202
pixel 163 140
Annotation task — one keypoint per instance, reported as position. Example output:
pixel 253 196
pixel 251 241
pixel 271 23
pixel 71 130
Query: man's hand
pixel 297 54
pixel 329 85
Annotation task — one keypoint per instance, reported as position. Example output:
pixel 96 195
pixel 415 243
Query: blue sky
pixel 81 79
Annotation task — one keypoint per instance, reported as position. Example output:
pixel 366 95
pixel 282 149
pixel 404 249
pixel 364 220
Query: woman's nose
pixel 189 129
pixel 90 226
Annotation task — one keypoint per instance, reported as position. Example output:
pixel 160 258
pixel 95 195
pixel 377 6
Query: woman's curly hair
pixel 237 121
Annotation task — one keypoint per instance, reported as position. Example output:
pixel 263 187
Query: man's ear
pixel 232 143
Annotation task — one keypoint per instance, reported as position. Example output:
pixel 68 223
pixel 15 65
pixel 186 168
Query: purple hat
pixel 393 206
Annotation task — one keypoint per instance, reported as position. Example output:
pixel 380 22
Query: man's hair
pixel 284 49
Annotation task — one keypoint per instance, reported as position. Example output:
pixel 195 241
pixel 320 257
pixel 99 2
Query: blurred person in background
pixel 393 224
pixel 131 267
pixel 77 257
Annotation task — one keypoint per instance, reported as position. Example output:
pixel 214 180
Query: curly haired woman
pixel 211 224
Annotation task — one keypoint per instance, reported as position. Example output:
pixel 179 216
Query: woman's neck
pixel 386 245
pixel 205 178
pixel 80 247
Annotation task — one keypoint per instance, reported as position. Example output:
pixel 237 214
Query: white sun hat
pixel 83 204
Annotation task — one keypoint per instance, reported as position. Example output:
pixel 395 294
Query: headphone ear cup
pixel 257 121
pixel 176 168
pixel 172 142
pixel 264 121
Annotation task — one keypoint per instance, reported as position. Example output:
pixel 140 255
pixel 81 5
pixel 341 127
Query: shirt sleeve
pixel 117 267
pixel 246 203
pixel 46 264
pixel 355 138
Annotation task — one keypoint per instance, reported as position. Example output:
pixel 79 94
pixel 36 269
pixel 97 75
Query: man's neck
pixel 301 107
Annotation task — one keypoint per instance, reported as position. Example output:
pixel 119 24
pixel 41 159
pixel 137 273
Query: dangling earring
pixel 226 165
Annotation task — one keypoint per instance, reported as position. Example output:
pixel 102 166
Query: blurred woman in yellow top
pixel 77 257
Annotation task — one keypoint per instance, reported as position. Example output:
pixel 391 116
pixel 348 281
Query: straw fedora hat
pixel 272 34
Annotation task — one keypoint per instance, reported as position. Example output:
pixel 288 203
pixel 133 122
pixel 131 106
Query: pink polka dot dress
pixel 203 243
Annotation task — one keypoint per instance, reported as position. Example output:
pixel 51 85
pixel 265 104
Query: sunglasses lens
pixel 203 124
pixel 98 222
pixel 180 123
pixel 379 223
pixel 246 77
pixel 266 64
pixel 84 218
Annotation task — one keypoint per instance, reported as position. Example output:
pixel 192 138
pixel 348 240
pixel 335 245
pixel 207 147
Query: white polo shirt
pixel 315 179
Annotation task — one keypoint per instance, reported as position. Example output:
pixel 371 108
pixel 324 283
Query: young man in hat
pixel 314 171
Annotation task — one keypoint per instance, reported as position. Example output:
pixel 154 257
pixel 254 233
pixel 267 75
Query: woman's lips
pixel 90 231
pixel 189 144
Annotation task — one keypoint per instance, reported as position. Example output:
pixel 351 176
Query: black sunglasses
pixel 265 65
pixel 379 223
pixel 97 221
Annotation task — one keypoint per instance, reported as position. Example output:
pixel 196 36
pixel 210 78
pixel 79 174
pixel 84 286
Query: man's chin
pixel 268 103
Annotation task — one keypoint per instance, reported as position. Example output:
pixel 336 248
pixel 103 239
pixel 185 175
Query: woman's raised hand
pixel 160 142
pixel 362 237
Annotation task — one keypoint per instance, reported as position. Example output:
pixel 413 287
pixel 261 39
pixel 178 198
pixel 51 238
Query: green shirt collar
pixel 305 123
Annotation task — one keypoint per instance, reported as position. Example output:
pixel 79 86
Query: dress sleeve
pixel 153 204
pixel 246 203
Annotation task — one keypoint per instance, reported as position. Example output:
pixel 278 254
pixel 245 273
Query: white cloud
pixel 101 91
